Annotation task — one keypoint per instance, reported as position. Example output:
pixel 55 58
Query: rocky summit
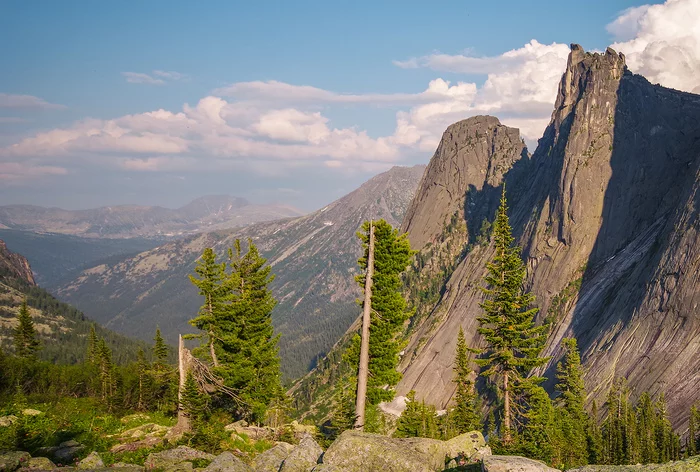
pixel 606 211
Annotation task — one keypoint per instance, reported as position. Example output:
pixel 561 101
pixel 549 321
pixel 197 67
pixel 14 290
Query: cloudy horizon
pixel 302 128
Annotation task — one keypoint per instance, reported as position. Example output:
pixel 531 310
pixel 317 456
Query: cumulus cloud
pixel 662 42
pixel 26 101
pixel 268 127
pixel 157 77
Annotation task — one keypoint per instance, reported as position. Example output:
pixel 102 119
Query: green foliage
pixel 693 441
pixel 194 402
pixel 392 254
pixel 160 351
pixel 417 420
pixel 640 434
pixel 573 419
pixel 465 416
pixel 26 342
pixel 514 342
pixel 237 324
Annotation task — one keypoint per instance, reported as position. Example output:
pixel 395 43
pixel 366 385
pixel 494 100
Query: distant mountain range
pixel 313 257
pixel 128 221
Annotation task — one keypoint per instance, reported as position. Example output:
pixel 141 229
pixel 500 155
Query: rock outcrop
pixel 14 266
pixel 303 457
pixel 607 211
pixel 514 464
pixel 354 451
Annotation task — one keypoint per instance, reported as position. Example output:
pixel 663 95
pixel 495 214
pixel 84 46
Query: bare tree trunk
pixel 183 419
pixel 506 409
pixel 364 346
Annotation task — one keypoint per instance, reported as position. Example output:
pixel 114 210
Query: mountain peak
pixel 14 265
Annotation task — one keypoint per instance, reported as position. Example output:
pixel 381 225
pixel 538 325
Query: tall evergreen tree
pixel 572 395
pixel 646 418
pixel 539 438
pixel 392 255
pixel 92 345
pixel 105 370
pixel 212 285
pixel 160 351
pixel 615 427
pixel 194 402
pixel 141 372
pixel 691 442
pixel 514 342
pixel 26 342
pixel 249 346
pixel 465 416
pixel 594 437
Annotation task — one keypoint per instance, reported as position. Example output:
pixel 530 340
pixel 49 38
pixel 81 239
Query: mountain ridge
pixel 125 221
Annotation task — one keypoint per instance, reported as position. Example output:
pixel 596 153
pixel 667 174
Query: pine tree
pixel 491 431
pixel 141 372
pixel 539 438
pixel 193 401
pixel 92 345
pixel 572 395
pixel 250 359
pixel 691 442
pixel 392 254
pixel 26 342
pixel 213 287
pixel 514 342
pixel 160 351
pixel 465 415
pixel 343 414
pixel 105 370
pixel 645 429
pixel 615 427
pixel 594 437
pixel 417 420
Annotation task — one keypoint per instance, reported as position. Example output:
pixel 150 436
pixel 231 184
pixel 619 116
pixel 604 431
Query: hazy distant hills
pixel 313 257
pixel 128 221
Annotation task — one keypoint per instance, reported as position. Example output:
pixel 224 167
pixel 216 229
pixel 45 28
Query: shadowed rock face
pixel 609 203
pixel 14 265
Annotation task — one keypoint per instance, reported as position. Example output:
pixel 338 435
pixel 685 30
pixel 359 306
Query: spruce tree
pixel 513 341
pixel 594 437
pixel 160 351
pixel 572 395
pixel 249 355
pixel 691 441
pixel 92 345
pixel 105 370
pixel 646 418
pixel 193 401
pixel 26 342
pixel 392 254
pixel 213 287
pixel 615 427
pixel 539 438
pixel 417 419
pixel 465 416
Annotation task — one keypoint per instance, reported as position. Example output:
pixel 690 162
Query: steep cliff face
pixel 14 265
pixel 606 212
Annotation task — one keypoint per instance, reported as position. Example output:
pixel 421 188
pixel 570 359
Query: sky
pixel 297 103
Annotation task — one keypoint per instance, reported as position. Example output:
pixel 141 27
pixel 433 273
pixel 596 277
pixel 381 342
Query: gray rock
pixel 302 458
pixel 175 459
pixel 125 467
pixel 67 451
pixel 11 461
pixel 514 464
pixel 358 452
pixel 92 461
pixel 227 462
pixel 271 460
pixel 39 463
pixel 472 445
pixel 31 412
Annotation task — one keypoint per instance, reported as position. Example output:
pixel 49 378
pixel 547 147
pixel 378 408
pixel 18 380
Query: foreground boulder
pixel 271 460
pixel 11 461
pixel 514 464
pixel 227 462
pixel 176 459
pixel 92 461
pixel 38 463
pixel 302 458
pixel 354 451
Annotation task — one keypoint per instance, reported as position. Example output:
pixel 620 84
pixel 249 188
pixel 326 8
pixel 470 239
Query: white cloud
pixel 156 77
pixel 665 42
pixel 26 101
pixel 19 172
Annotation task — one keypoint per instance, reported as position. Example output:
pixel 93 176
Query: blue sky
pixel 293 102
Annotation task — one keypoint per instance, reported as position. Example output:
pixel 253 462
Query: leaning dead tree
pixel 205 378
pixel 363 371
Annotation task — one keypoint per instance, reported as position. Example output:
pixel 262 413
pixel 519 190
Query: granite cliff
pixel 607 213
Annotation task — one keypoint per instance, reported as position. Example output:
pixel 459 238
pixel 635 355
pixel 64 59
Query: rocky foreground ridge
pixel 607 211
